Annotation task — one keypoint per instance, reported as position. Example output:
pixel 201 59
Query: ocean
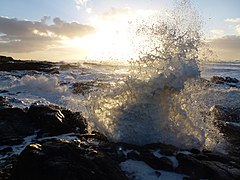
pixel 130 107
pixel 224 69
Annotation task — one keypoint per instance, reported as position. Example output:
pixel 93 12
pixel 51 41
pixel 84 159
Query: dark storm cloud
pixel 25 36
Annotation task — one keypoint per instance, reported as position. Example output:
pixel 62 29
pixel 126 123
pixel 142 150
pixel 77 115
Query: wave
pixel 161 100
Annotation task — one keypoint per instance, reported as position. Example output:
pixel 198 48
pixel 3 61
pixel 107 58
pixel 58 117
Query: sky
pixel 74 30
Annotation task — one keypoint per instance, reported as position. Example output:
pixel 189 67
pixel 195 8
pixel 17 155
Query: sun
pixel 114 40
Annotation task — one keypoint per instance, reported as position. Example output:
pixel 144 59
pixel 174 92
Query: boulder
pixel 162 163
pixel 74 121
pixel 226 114
pixel 53 121
pixel 14 126
pixel 63 160
pixel 209 168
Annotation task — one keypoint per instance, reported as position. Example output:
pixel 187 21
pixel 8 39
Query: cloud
pixel 26 36
pixel 81 3
pixel 233 20
pixel 70 30
pixel 238 28
pixel 227 47
pixel 217 33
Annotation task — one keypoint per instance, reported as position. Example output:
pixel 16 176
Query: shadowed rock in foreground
pixel 79 154
pixel 56 159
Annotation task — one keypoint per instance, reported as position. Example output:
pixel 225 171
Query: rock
pixel 9 64
pixel 228 122
pixel 5 151
pixel 3 91
pixel 6 167
pixel 52 121
pixel 162 163
pixel 15 123
pixel 225 114
pixel 134 155
pixel 6 59
pixel 56 159
pixel 217 80
pixel 14 126
pixel 48 119
pixel 166 149
pixel 4 102
pixel 74 121
pixel 82 87
pixel 227 81
pixel 231 80
pixel 208 168
pixel 195 151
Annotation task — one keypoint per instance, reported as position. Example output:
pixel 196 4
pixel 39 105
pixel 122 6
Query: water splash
pixel 159 100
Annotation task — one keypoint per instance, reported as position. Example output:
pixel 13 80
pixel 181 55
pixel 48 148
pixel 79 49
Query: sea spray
pixel 156 102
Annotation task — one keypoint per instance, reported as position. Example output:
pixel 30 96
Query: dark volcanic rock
pixel 166 149
pixel 209 168
pixel 75 121
pixel 6 166
pixel 217 80
pixel 82 87
pixel 227 80
pixel 51 120
pixel 162 163
pixel 228 122
pixel 62 160
pixel 15 123
pixel 9 64
pixel 4 102
pixel 231 80
pixel 225 114
pixel 14 126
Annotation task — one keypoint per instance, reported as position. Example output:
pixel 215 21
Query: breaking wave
pixel 160 100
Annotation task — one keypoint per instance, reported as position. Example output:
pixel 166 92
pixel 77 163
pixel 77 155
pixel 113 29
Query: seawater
pixel 159 97
pixel 221 68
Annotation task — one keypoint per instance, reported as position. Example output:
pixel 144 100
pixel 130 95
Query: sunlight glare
pixel 113 39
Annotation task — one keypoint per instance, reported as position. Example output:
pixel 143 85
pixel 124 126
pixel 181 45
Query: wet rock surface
pixel 16 123
pixel 232 82
pixel 228 121
pixel 53 120
pixel 58 159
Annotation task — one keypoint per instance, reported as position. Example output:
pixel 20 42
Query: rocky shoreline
pixel 52 142
pixel 60 147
